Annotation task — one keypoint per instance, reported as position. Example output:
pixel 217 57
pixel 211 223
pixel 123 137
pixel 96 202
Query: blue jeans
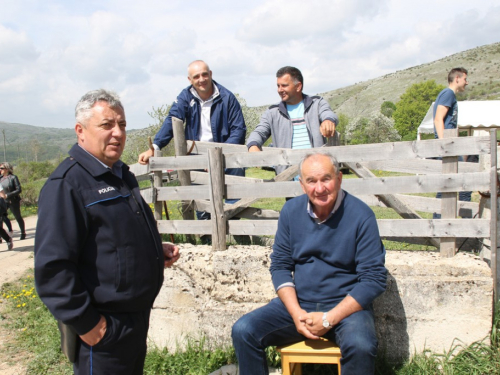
pixel 272 325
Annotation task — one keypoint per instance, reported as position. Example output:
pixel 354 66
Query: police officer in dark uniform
pixel 99 258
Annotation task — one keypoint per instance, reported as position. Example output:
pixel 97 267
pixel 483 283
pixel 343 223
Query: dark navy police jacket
pixel 97 247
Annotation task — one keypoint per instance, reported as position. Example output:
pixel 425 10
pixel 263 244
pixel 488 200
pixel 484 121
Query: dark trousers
pixel 121 351
pixel 4 234
pixel 7 222
pixel 15 208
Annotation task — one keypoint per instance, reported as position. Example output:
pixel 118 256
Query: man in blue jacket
pixel 327 267
pixel 99 257
pixel 211 113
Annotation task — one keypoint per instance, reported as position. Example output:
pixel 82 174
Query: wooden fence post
pixel 449 200
pixel 157 183
pixel 184 176
pixel 216 186
pixel 495 261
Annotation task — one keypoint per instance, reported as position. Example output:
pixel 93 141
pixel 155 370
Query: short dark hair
pixel 294 73
pixel 456 72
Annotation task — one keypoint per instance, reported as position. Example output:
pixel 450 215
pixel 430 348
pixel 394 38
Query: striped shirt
pixel 300 136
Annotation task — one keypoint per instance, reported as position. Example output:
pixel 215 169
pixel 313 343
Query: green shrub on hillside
pixel 411 109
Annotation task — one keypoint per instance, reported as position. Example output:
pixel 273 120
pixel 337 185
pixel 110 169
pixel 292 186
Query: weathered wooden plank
pixel 435 228
pixel 147 195
pixel 170 193
pixel 449 200
pixel 183 175
pixel 157 183
pixel 140 171
pixel 390 200
pixel 185 226
pixel 216 189
pixel 388 228
pixel 368 152
pixel 495 259
pixel 203 147
pixel 253 227
pixel 418 166
pixel 201 178
pixel 424 204
pixel 179 162
pixel 358 153
pixel 385 185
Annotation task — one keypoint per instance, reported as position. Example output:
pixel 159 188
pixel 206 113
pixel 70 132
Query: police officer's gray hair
pixel 334 161
pixel 83 110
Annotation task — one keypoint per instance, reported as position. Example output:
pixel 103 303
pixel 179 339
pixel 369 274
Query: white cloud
pixel 16 47
pixel 280 21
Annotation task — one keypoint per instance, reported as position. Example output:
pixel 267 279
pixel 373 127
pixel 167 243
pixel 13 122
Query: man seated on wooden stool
pixel 327 267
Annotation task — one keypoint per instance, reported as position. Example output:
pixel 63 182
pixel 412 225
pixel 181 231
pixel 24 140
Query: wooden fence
pixel 447 176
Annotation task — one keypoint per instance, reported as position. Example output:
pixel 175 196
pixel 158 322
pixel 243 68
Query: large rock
pixel 429 302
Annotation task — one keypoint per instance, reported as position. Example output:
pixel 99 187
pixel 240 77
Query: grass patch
pixel 34 327
pixel 198 358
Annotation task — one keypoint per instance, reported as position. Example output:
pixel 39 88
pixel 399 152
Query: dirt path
pixel 13 264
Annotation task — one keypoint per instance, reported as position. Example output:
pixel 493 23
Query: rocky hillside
pixel 365 98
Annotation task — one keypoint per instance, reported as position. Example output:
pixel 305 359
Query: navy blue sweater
pixel 342 256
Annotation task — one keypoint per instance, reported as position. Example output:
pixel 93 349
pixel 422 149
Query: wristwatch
pixel 326 323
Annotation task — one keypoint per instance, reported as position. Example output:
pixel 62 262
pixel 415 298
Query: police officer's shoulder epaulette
pixel 273 106
pixel 63 168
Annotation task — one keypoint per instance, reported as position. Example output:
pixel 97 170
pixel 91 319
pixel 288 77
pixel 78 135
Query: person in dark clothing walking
pixel 12 189
pixel 3 210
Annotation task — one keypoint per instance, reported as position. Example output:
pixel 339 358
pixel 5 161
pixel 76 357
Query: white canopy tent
pixel 472 116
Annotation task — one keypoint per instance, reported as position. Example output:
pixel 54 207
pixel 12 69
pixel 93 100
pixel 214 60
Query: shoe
pixel 23 236
pixel 10 243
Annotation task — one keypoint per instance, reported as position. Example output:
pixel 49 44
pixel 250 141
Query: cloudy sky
pixel 53 51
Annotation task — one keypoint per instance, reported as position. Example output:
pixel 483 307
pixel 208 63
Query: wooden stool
pixel 308 351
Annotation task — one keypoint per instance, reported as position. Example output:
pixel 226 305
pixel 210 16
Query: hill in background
pixel 365 98
pixel 33 143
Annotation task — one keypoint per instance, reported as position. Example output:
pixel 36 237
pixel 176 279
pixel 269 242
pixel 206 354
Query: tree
pixel 387 108
pixel 356 131
pixel 413 106
pixel 341 127
pixel 376 129
pixel 381 129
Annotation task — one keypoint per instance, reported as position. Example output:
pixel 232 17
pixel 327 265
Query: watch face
pixel 326 324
